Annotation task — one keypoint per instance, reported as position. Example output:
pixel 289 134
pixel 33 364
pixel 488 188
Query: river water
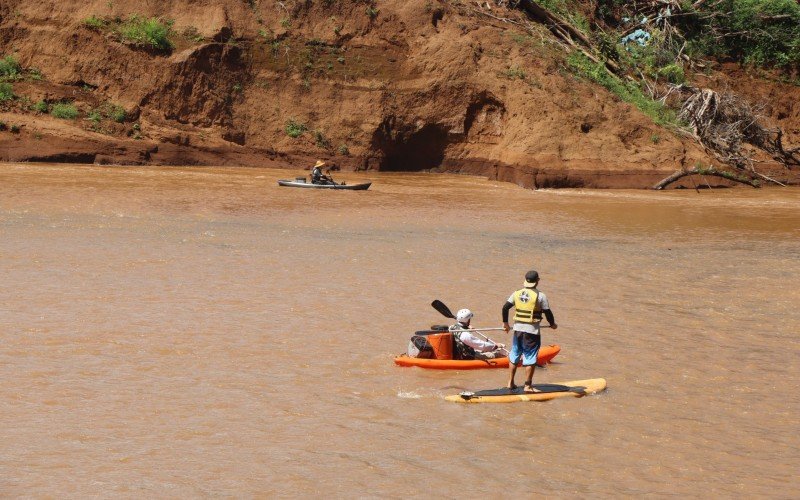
pixel 180 332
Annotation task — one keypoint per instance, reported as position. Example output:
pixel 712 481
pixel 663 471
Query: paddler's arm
pixel 550 318
pixel 506 307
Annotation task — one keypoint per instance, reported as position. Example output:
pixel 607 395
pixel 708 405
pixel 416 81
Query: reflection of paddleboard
pixel 574 388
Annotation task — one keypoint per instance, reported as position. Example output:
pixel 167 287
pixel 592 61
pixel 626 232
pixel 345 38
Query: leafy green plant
pixel 94 116
pixel 149 32
pixel 9 68
pixel 6 91
pixel 343 150
pixel 116 112
pixel 41 107
pixel 294 129
pixel 63 110
pixel 759 32
pixel 286 23
pixel 673 73
pixel 321 141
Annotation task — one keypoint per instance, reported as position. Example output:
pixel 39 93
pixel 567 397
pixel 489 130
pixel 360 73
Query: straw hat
pixel 319 163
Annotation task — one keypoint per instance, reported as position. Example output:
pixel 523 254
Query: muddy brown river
pixel 178 332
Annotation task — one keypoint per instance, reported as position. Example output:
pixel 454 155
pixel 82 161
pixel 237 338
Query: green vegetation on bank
pixel 9 68
pixel 294 129
pixel 628 91
pixel 756 32
pixel 6 91
pixel 64 110
pixel 153 32
pixel 763 33
pixel 644 46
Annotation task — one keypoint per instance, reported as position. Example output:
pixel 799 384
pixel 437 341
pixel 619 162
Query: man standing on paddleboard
pixel 529 304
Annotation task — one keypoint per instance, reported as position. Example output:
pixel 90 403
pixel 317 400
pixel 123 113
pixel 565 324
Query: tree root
pixel 722 124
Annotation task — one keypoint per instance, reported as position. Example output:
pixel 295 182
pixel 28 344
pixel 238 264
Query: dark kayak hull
pixel 348 187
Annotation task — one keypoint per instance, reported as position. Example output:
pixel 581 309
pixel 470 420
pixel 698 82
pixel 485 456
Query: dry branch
pixel 724 122
pixel 710 171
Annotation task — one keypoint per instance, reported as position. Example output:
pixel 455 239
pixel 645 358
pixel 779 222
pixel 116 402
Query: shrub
pixel 760 32
pixel 321 141
pixel 116 113
pixel 673 73
pixel 344 150
pixel 66 111
pixel 6 92
pixel 294 129
pixel 94 116
pixel 152 32
pixel 41 107
pixel 9 68
pixel 372 12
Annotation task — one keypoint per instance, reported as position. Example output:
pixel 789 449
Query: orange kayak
pixel 546 354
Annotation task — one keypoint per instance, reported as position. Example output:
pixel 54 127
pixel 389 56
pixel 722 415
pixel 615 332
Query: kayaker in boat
pixel 467 345
pixel 317 177
pixel 529 304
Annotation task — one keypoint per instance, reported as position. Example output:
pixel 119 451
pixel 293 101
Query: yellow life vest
pixel 526 306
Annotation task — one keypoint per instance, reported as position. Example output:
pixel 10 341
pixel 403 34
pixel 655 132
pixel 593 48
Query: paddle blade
pixel 443 309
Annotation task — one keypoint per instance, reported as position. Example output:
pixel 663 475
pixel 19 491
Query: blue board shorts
pixel 526 345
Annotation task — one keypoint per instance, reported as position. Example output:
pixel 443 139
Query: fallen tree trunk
pixel 706 171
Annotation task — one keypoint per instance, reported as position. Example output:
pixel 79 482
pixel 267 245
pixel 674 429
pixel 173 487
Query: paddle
pixel 445 311
pixel 329 177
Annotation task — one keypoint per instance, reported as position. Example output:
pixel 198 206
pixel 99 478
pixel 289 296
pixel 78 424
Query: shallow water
pixel 199 332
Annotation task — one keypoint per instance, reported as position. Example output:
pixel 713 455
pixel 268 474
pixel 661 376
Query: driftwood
pixel 722 124
pixel 705 171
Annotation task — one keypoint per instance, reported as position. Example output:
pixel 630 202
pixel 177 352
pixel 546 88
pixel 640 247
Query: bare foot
pixel 512 386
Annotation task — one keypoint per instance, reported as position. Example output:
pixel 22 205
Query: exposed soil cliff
pixel 390 85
